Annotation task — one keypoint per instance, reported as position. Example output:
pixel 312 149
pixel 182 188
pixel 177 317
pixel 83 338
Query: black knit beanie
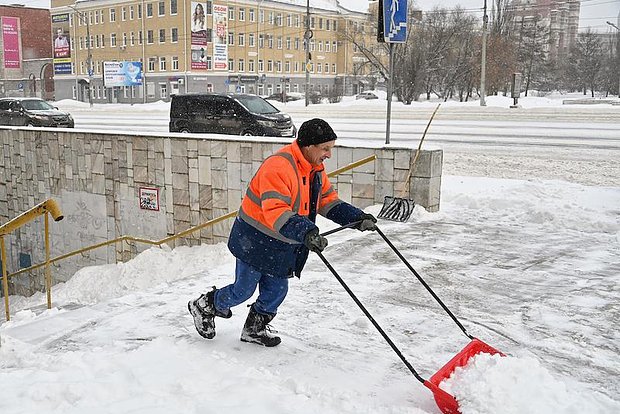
pixel 313 132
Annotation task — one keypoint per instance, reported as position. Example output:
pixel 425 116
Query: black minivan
pixel 232 114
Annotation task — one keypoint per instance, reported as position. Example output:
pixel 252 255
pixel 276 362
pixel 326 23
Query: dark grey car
pixel 32 112
pixel 233 114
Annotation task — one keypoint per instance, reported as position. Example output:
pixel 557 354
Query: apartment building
pixel 198 46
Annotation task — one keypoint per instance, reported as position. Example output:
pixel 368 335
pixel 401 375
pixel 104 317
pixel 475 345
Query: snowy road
pixel 576 144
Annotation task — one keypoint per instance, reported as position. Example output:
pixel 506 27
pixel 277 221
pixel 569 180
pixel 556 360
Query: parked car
pixel 32 112
pixel 284 97
pixel 233 114
pixel 366 95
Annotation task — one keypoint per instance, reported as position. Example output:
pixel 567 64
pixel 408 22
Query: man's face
pixel 59 32
pixel 316 154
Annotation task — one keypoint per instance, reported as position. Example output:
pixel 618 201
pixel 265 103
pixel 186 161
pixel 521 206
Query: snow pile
pixel 496 384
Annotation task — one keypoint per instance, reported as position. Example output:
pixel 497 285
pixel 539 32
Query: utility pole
pixel 483 62
pixel 307 36
pixel 617 51
pixel 89 59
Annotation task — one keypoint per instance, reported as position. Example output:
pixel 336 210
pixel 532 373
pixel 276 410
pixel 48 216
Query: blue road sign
pixel 395 21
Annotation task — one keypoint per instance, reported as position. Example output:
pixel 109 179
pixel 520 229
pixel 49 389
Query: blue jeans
pixel 271 290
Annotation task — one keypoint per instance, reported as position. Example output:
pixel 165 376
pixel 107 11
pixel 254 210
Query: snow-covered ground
pixel 530 266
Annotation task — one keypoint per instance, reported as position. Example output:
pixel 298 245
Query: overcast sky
pixel 594 13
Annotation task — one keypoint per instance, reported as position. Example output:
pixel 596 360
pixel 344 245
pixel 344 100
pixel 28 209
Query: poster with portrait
pixel 61 44
pixel 220 37
pixel 199 40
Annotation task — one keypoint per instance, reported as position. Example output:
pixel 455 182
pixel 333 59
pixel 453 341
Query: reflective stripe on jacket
pixel 279 209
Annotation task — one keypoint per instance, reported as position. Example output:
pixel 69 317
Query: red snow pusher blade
pixel 446 402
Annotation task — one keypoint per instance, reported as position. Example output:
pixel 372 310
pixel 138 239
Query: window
pixel 288 43
pixel 149 37
pixel 231 38
pixel 149 10
pixel 123 13
pixel 152 61
pixel 261 16
pixel 173 7
pixel 174 35
pixel 297 21
pixel 162 63
pixel 251 65
pixel 139 11
pixel 279 65
pixel 97 41
pixel 252 15
pixel 279 42
pixel 209 63
pixel 287 66
pixel 163 90
pixel 241 14
pixel 251 42
pixel 242 39
pixel 132 39
pixel 140 40
pixel 241 65
pixel 162 35
pixel 327 68
pixel 328 47
pixel 312 22
pixel 279 19
pixel 112 15
pixel 312 45
pixel 261 66
pixel 175 63
pixel 296 43
pixel 270 41
pixel 124 39
pixel 113 39
pixel 231 65
pixel 297 66
pixel 209 7
pixel 97 16
pixel 335 46
pixel 289 20
pixel 270 66
pixel 334 68
pixel 320 45
pixel 102 40
pixel 131 12
pixel 161 8
pixel 261 41
pixel 320 22
pixel 231 13
pixel 271 18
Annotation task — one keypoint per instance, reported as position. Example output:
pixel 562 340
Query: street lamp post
pixel 89 59
pixel 617 51
pixel 307 37
pixel 483 63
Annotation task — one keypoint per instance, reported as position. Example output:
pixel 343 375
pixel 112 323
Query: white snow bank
pixel 495 384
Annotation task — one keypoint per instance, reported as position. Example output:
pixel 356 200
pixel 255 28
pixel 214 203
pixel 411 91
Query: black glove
pixel 314 241
pixel 367 223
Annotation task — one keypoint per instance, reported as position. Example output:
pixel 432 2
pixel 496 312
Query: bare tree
pixel 586 62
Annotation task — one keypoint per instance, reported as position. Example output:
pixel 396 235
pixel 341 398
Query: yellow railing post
pixel 48 206
pixel 5 280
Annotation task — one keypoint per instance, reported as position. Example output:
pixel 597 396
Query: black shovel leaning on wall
pixel 400 208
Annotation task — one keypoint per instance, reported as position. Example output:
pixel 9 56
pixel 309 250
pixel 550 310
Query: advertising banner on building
pixel 61 44
pixel 220 37
pixel 199 35
pixel 122 74
pixel 10 42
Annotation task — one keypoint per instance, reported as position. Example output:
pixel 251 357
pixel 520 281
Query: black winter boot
pixel 204 313
pixel 256 330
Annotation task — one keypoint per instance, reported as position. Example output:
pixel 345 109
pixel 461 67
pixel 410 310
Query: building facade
pixel 26 58
pixel 560 17
pixel 184 46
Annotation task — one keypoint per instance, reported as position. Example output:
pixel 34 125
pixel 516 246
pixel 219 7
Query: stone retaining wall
pixel 97 179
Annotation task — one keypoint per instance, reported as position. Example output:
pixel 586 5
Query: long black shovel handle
pixel 336 230
pixel 424 283
pixel 369 316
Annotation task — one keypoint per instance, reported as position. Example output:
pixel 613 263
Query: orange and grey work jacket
pixel 279 209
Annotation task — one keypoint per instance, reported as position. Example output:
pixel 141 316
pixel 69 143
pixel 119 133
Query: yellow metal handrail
pixel 146 241
pixel 49 206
